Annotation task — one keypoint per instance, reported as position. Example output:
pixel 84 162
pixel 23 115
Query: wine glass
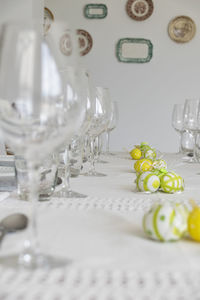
pixel 76 86
pixel 191 122
pixel 36 117
pixel 177 120
pixel 112 125
pixel 99 123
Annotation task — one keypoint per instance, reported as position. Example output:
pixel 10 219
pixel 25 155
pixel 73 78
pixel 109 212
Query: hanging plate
pixel 85 41
pixel 181 29
pixel 48 19
pixel 139 10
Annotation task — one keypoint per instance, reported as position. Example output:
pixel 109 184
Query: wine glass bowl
pixel 37 115
pixel 76 91
pixel 99 124
pixel 191 114
pixel 191 125
pixel 177 117
pixel 112 125
pixel 177 120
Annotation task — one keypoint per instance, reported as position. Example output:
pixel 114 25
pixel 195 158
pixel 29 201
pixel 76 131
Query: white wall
pixel 17 10
pixel 145 92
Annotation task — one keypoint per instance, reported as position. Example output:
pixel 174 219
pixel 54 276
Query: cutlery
pixel 12 223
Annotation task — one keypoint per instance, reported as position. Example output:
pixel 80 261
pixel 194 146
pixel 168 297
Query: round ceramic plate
pixel 65 44
pixel 85 41
pixel 181 29
pixel 139 10
pixel 48 19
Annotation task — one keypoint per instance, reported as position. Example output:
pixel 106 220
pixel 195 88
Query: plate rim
pixel 170 29
pixel 136 18
pixel 134 40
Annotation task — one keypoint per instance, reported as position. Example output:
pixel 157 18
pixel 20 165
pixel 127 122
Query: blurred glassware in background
pixel 77 91
pixel 100 121
pixel 36 115
pixel 48 171
pixel 187 145
pixel 76 156
pixel 177 121
pixel 114 118
pixel 190 127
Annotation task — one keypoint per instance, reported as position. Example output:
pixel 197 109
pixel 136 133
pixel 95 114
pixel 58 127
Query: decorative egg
pixel 166 222
pixel 149 153
pixel 148 182
pixel 143 146
pixel 136 153
pixel 171 183
pixel 159 164
pixel 142 165
pixel 194 223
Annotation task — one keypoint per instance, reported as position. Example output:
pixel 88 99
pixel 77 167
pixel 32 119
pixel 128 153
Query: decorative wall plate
pixel 182 29
pixel 66 44
pixel 85 41
pixel 95 11
pixel 134 50
pixel 48 19
pixel 139 10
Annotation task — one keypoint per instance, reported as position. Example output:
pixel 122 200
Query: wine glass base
pixel 33 261
pixel 102 161
pixel 94 174
pixel 42 262
pixel 110 154
pixel 68 194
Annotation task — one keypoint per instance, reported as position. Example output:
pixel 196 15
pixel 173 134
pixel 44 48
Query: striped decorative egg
pixel 166 222
pixel 171 183
pixel 142 165
pixel 159 164
pixel 149 153
pixel 148 182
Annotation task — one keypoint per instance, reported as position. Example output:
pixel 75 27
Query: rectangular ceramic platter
pixel 95 11
pixel 134 50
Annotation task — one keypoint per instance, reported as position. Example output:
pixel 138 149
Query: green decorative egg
pixel 149 153
pixel 159 164
pixel 171 183
pixel 148 182
pixel 166 222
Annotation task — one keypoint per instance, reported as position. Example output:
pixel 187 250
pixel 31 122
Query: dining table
pixel 100 241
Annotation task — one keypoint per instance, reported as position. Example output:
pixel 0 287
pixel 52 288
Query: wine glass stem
pixel 28 257
pixel 107 141
pixel 66 181
pixel 92 158
pixel 34 194
pixel 180 148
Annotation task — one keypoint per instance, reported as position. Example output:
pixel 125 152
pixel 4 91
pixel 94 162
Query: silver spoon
pixel 12 223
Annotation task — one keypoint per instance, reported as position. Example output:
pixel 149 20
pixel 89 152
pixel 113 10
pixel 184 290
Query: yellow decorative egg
pixel 136 153
pixel 194 223
pixel 142 165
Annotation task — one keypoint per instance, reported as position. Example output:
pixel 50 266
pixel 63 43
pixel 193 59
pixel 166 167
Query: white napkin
pixel 7 179
pixel 7 160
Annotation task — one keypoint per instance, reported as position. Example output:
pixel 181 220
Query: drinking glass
pixel 191 120
pixel 112 125
pixel 36 117
pixel 99 123
pixel 76 86
pixel 177 121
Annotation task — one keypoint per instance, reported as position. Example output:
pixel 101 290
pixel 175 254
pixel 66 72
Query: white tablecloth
pixel 102 238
